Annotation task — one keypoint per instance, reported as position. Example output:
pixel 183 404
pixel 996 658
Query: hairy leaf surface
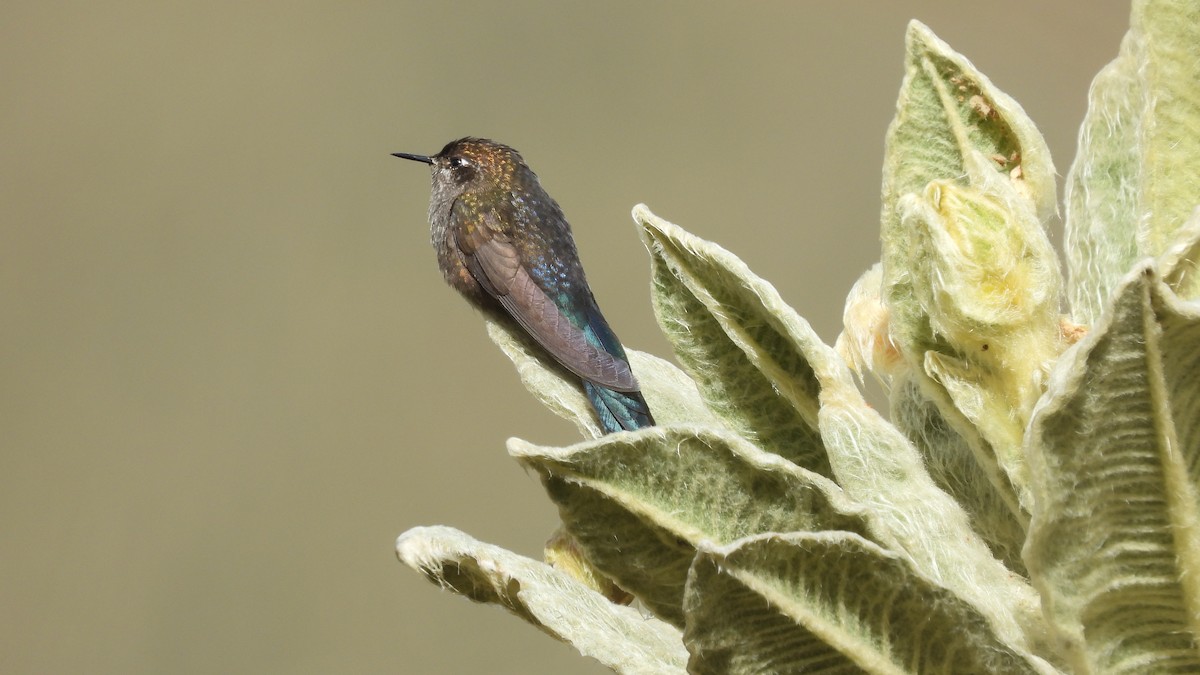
pixel 621 638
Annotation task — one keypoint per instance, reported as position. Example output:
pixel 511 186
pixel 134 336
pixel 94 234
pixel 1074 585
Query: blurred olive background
pixel 230 372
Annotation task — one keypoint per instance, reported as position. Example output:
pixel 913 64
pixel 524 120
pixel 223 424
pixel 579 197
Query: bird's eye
pixel 458 162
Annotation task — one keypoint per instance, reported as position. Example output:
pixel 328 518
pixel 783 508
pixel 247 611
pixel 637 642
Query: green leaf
pixel 872 461
pixel 1170 122
pixel 832 603
pixel 1102 200
pixel 1180 263
pixel 951 463
pixel 1137 175
pixel 621 638
pixel 907 512
pixel 639 503
pixel 743 345
pixel 946 454
pixel 1115 446
pixel 985 280
pixel 953 124
pixel 970 279
pixel 670 393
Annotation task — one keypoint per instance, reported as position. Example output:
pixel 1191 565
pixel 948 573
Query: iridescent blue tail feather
pixel 618 411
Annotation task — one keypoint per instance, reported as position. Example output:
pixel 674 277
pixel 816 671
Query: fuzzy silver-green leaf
pixel 1102 198
pixel 1115 446
pixel 870 459
pixel 1171 128
pixel 951 463
pixel 971 282
pixel 949 115
pixel 1136 178
pixel 621 638
pixel 1180 262
pixel 880 469
pixel 639 503
pixel 738 340
pixel 832 602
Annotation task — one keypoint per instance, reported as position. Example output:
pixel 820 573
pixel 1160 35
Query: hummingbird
pixel 505 245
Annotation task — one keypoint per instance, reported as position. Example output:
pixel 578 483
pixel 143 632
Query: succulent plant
pixel 1033 504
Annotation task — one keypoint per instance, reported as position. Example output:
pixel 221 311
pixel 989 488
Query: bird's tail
pixel 618 410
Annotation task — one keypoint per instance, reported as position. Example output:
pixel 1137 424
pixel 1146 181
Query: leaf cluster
pixel 1031 506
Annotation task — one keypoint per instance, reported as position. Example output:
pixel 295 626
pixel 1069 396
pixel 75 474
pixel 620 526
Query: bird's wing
pixel 496 263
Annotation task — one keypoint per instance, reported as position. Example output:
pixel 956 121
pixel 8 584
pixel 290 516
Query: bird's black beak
pixel 415 158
